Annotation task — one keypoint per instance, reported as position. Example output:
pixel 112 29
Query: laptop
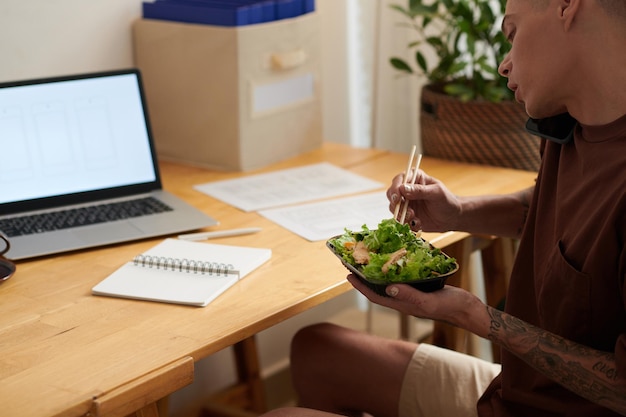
pixel 79 168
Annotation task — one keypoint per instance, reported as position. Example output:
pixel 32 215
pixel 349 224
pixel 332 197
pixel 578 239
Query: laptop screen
pixel 74 138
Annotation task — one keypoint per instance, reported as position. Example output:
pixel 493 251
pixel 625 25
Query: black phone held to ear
pixel 559 128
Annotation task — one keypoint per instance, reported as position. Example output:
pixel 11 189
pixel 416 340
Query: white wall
pixel 42 38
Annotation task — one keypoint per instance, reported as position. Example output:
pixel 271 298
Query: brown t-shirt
pixel 569 274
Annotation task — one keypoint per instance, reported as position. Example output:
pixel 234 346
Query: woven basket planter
pixel 477 132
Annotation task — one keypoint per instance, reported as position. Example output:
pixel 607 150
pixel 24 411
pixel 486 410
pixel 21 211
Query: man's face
pixel 537 65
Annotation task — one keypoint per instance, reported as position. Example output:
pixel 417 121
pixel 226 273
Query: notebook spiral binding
pixel 184 265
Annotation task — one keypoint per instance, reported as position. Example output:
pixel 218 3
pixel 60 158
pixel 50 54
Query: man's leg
pixel 344 371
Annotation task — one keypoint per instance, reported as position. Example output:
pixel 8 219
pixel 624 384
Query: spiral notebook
pixel 182 272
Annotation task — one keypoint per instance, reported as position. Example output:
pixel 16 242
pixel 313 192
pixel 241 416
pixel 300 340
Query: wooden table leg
pixel 405 321
pixel 247 397
pixel 497 261
pixel 249 372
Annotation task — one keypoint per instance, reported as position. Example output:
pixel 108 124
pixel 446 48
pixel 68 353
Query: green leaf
pixel 464 12
pixel 467 43
pixel 486 14
pixel 457 43
pixel 433 9
pixel 471 44
pixel 456 67
pixel 487 67
pixel 435 41
pixel 497 94
pixel 421 61
pixel 461 91
pixel 414 3
pixel 401 65
pixel 421 10
pixel 448 3
pixel 402 10
pixel 465 26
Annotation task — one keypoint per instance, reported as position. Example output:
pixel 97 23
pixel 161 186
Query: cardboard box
pixel 231 98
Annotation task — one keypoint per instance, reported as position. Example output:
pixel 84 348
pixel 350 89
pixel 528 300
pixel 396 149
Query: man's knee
pixel 311 339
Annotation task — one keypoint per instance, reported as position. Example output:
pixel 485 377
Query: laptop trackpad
pixel 108 233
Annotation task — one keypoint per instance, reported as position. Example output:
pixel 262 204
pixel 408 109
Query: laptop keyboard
pixel 83 216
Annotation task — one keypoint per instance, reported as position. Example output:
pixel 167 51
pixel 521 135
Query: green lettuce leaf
pixel 420 262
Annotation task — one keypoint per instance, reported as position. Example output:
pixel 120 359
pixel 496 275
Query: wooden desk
pixel 61 347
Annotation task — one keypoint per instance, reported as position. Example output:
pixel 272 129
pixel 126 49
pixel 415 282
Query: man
pixel 563 332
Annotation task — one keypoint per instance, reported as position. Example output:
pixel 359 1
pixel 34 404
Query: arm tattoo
pixel 590 373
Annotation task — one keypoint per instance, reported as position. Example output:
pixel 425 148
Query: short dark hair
pixel 614 7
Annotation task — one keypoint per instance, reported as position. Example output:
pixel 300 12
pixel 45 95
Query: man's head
pixel 561 52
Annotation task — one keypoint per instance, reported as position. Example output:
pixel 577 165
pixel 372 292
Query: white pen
pixel 219 233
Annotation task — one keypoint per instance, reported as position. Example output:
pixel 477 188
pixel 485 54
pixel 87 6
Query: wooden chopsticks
pixel 412 173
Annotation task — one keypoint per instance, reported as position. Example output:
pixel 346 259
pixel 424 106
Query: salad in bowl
pixel 392 253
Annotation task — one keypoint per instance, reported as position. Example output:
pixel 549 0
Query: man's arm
pixel 503 215
pixel 434 208
pixel 590 373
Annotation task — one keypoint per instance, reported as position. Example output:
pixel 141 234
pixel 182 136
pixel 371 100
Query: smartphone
pixel 559 128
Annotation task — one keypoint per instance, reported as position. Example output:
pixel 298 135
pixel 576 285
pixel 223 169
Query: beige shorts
pixel 444 383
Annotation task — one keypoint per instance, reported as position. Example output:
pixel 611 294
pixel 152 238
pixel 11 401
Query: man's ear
pixel 567 10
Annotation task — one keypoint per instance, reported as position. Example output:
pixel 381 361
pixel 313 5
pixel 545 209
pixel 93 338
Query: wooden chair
pixel 147 395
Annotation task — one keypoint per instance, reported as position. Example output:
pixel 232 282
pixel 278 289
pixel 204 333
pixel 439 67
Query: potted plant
pixel 467 113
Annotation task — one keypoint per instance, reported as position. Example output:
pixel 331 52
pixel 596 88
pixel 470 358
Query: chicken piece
pixel 393 259
pixel 360 254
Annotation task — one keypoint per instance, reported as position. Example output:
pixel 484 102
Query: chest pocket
pixel 563 297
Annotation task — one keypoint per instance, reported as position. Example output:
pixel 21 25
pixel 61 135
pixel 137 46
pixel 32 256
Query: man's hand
pixel 450 304
pixel 432 207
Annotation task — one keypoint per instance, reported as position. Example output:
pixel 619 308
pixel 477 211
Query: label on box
pixel 269 98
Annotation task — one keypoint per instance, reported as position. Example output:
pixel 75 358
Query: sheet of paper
pixel 325 219
pixel 289 186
